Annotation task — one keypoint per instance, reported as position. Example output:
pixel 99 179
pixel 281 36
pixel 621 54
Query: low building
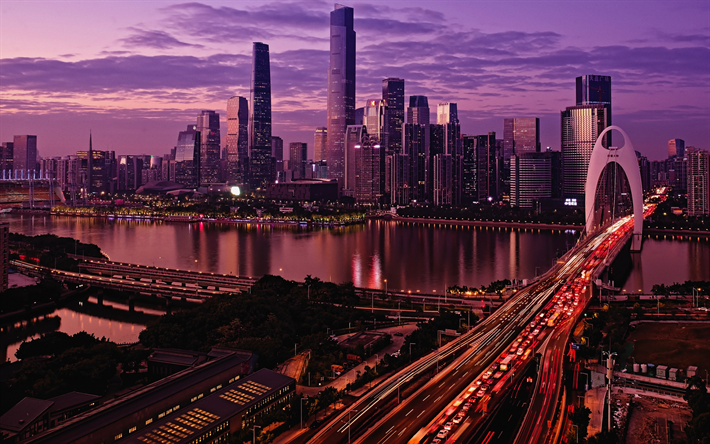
pixel 32 416
pixel 304 190
pixel 152 403
pixel 217 416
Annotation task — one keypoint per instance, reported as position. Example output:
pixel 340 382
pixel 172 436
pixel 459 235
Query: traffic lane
pixel 434 400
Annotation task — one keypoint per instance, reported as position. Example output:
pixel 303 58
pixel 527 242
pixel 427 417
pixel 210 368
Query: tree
pixel 580 417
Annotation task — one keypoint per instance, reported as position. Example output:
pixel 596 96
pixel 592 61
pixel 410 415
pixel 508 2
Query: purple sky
pixel 136 73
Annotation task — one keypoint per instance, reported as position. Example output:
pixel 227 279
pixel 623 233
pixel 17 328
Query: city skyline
pixel 518 63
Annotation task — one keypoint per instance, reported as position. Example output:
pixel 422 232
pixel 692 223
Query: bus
pixel 554 318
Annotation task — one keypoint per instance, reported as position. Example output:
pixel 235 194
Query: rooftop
pixel 212 410
pixel 24 413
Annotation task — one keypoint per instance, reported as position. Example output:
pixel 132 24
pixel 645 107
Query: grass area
pixel 674 345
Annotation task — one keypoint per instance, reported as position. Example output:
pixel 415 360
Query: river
pixel 377 254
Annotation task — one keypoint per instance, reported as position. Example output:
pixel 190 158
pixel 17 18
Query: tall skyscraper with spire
pixel 261 164
pixel 341 88
pixel 237 138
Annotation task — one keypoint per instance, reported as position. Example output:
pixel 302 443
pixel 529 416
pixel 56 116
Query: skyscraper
pixel 260 160
pixel 237 138
pixel 354 136
pixel 469 182
pixel 341 88
pixel 369 171
pixel 581 125
pixel 374 119
pixel 447 117
pixel 298 155
pixel 698 182
pixel 530 178
pixel 520 135
pixel 418 110
pixel 320 144
pixel 277 152
pixel 415 144
pixel 187 158
pixel 676 147
pixel 25 155
pixel 208 127
pixel 7 159
pixel 595 90
pixel 393 96
pixel 486 167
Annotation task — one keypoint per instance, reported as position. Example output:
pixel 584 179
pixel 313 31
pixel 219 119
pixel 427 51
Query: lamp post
pixel 254 429
pixel 399 313
pixel 308 294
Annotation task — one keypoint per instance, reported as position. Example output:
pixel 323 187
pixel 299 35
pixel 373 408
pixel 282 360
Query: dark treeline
pixel 269 320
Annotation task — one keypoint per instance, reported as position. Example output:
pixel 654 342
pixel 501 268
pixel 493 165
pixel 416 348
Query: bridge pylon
pixel 626 158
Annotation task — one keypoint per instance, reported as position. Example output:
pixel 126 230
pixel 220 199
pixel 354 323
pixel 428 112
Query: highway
pixel 536 320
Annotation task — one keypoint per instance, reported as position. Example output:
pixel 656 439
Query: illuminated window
pixel 117 437
pixel 149 421
pixel 132 429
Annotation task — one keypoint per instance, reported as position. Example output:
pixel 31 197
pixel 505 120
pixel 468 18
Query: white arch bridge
pixel 625 157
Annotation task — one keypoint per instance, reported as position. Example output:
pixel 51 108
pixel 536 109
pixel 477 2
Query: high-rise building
pixel 298 156
pixel 530 178
pixel 374 119
pixel 415 144
pixel 698 182
pixel 487 173
pixel 320 144
pixel 6 159
pixel 469 182
pixel 369 171
pixel 393 96
pixel 678 173
pixel 25 155
pixel 520 135
pixel 645 170
pixel 237 138
pixel 208 127
pixel 341 88
pixel 581 126
pixel 397 181
pixel 277 152
pixel 261 168
pixel 418 110
pixel 359 115
pixel 187 157
pixel 4 255
pixel 595 90
pixel 676 147
pixel 354 136
pixel 447 117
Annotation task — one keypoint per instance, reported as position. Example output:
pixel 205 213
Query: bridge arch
pixel 626 158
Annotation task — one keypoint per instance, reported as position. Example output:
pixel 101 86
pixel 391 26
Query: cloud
pixel 142 38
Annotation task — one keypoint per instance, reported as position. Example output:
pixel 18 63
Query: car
pixel 487 375
pixel 442 434
pixel 481 393
pixel 436 441
pixel 399 334
pixel 465 407
pixel 458 419
pixel 448 425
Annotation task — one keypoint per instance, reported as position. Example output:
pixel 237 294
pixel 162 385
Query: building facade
pixel 24 155
pixel 530 178
pixel 298 156
pixel 393 96
pixel 698 182
pixel 418 110
pixel 341 89
pixel 187 157
pixel 208 127
pixel 581 125
pixel 676 147
pixel 237 143
pixel 261 168
pixel 320 144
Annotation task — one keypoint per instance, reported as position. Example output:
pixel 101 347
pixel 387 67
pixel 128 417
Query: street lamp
pixel 254 429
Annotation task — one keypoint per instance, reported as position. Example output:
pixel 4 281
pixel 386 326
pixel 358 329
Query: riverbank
pixel 487 223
